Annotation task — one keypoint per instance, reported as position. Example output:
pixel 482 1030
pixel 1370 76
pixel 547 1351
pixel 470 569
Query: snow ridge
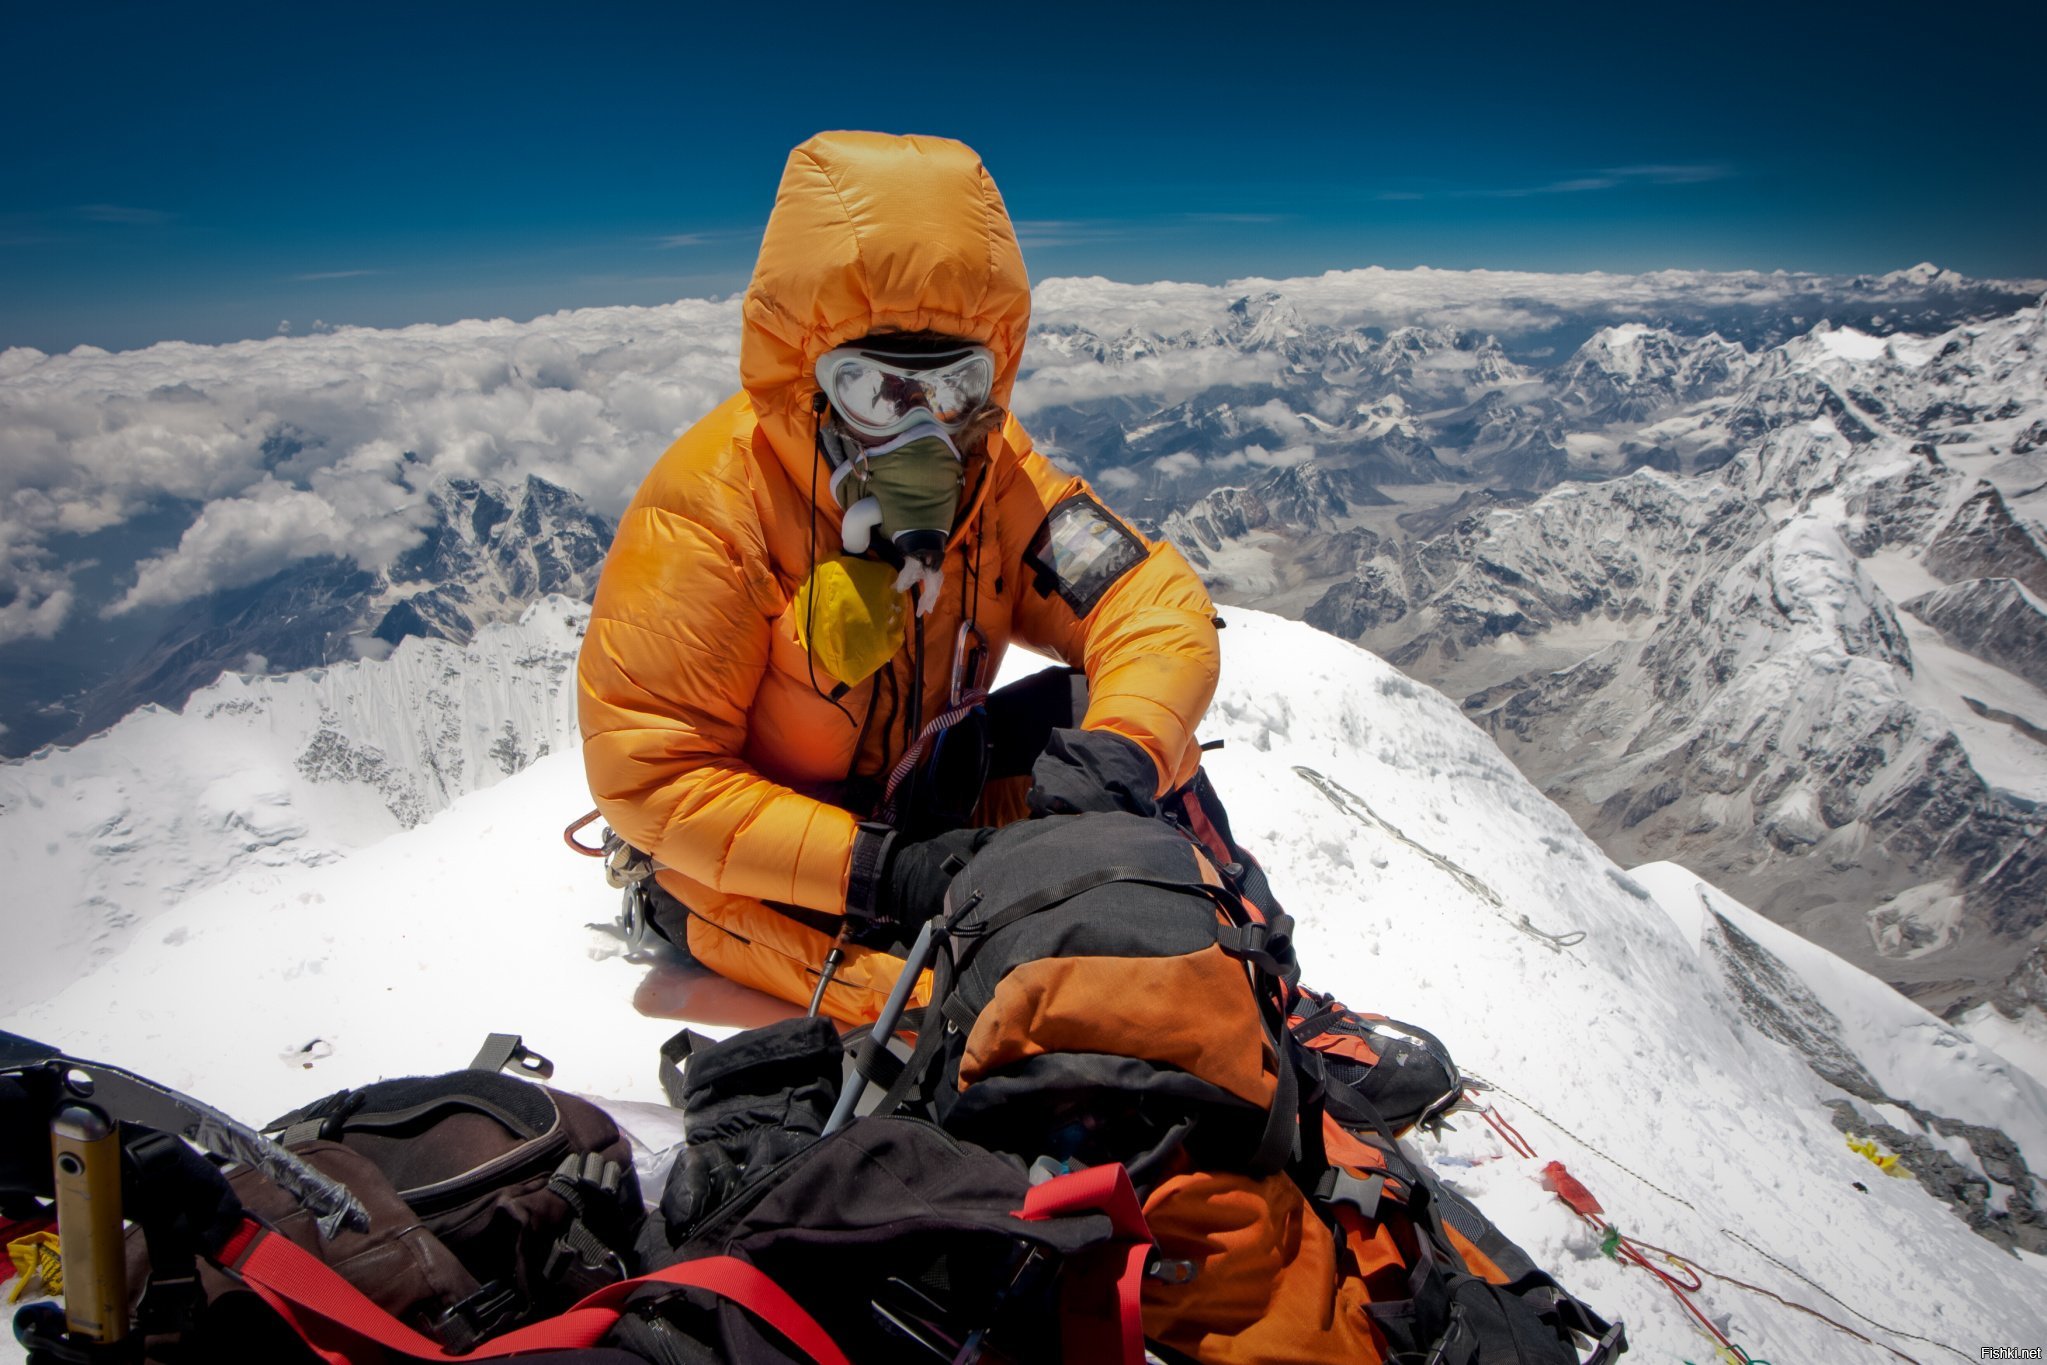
pixel 265 773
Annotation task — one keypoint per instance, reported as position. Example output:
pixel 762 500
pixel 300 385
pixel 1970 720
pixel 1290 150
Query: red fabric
pixel 336 1319
pixel 1090 1324
pixel 1565 1186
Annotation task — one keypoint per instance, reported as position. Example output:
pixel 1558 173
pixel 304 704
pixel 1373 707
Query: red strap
pixel 316 1300
pixel 1090 1323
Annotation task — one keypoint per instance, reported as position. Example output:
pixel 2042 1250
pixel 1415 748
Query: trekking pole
pixel 885 1025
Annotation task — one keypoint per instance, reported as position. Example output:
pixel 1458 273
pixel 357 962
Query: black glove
pixel 1092 770
pixel 749 1101
pixel 899 883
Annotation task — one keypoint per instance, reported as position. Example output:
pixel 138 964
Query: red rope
pixel 1507 1131
pixel 1624 1247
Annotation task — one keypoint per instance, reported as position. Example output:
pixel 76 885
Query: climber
pixel 781 688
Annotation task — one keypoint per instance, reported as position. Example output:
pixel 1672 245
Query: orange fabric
pixel 1084 1004
pixel 1265 1284
pixel 1342 1149
pixel 705 741
pixel 1476 1261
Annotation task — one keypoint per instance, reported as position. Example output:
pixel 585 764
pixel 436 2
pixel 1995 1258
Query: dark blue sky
pixel 207 171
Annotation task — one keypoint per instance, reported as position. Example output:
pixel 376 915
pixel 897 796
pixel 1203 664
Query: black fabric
pixel 1080 551
pixel 890 1217
pixel 472 1154
pixel 1198 795
pixel 1413 1081
pixel 1092 770
pixel 417 1102
pixel 1022 716
pixel 912 885
pixel 749 1102
pixel 872 844
pixel 26 1103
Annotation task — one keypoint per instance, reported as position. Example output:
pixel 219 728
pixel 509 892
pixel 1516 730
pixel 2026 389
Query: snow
pixel 2023 1040
pixel 1912 1053
pixel 1849 344
pixel 276 772
pixel 1422 869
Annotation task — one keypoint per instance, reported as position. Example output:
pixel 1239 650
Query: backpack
pixel 491 1201
pixel 1141 1009
pixel 902 1241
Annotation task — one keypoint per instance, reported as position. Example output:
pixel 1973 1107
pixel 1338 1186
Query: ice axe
pixel 84 1108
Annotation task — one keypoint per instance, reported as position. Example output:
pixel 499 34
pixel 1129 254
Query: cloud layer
pixel 266 452
pixel 296 447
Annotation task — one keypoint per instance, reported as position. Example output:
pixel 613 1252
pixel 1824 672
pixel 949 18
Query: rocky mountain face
pixel 1816 669
pixel 1164 404
pixel 487 552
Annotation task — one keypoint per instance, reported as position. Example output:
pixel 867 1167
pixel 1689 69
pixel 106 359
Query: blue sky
pixel 207 172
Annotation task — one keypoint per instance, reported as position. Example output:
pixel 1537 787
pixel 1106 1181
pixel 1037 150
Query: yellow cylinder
pixel 87 1150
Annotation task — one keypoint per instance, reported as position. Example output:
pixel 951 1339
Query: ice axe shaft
pixel 885 1025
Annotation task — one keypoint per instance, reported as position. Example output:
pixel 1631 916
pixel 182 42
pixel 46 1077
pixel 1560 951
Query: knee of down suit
pixel 715 736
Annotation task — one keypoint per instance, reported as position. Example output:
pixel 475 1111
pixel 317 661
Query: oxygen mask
pixel 908 488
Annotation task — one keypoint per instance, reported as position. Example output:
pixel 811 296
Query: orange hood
pixel 872 232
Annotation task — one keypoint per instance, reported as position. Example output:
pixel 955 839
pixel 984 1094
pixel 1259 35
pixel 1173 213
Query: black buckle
pixel 477 1318
pixel 501 1050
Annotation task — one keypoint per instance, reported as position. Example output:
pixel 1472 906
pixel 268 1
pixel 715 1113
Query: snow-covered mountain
pixel 1814 669
pixel 1164 392
pixel 263 773
pixel 484 553
pixel 1693 1064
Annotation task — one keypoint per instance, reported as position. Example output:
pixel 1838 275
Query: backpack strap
pixel 334 1318
pixel 1101 1329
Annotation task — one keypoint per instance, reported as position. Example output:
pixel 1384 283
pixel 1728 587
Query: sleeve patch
pixel 1080 551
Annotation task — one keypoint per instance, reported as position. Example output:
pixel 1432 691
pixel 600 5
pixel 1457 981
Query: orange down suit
pixel 706 741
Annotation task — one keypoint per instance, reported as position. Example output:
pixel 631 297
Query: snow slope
pixel 1421 868
pixel 264 772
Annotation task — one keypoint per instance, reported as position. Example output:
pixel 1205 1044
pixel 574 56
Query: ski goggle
pixel 879 394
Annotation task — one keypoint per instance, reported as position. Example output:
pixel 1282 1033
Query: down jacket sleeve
pixel 675 652
pixel 1146 639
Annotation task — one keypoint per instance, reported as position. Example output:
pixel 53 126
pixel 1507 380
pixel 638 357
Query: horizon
pixel 318 328
pixel 235 172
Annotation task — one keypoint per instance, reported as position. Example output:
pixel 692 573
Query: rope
pixel 1507 1131
pixel 1909 1336
pixel 1570 938
pixel 1697 1270
pixel 1620 1247
pixel 1592 1149
pixel 1355 806
pixel 917 752
pixel 1623 1243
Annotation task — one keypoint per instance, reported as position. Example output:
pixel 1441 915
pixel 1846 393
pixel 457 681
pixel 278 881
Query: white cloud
pixel 237 541
pixel 1177 464
pixel 33 603
pixel 1118 480
pixel 293 446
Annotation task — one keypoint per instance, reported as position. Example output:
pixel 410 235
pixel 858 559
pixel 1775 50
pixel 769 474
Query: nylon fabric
pixel 1054 1005
pixel 1266 1285
pixel 334 1318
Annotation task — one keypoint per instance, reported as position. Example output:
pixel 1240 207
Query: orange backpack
pixel 1105 992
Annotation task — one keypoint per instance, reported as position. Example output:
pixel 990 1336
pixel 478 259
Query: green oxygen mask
pixel 913 484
